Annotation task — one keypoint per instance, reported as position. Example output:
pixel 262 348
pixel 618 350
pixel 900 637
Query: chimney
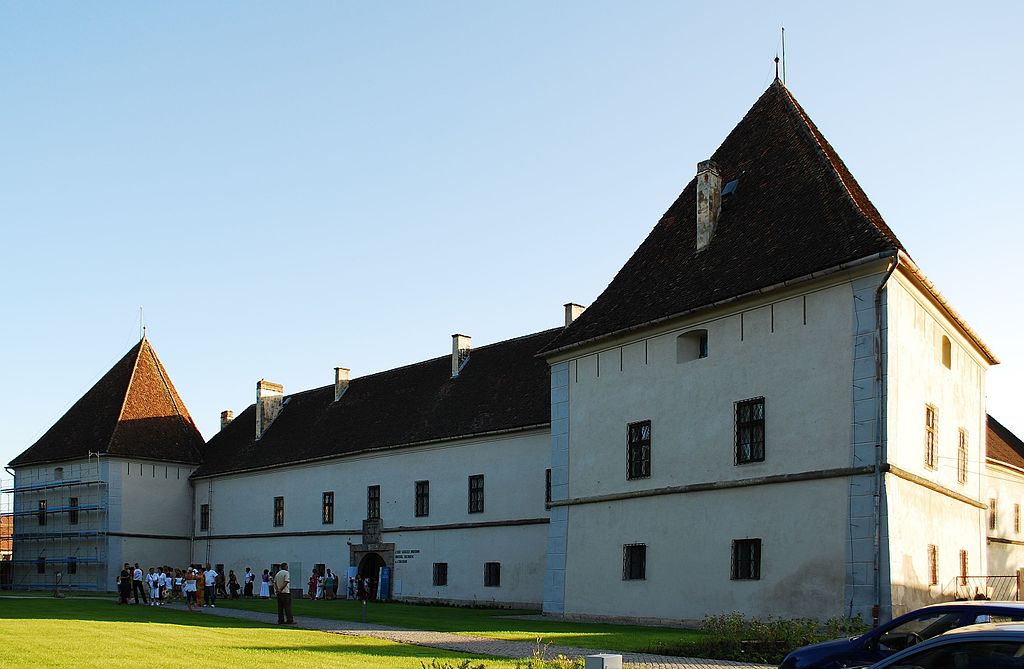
pixel 340 382
pixel 460 352
pixel 572 312
pixel 709 201
pixel 269 397
pixel 226 417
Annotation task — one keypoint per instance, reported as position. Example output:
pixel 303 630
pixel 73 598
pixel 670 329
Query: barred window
pixel 963 567
pixel 492 574
pixel 327 508
pixel 638 450
pixel 961 458
pixel 933 565
pixel 1016 518
pixel 634 562
pixel 440 573
pixel 992 513
pixel 476 494
pixel 204 516
pixel 73 511
pixel 372 502
pixel 750 431
pixel 278 511
pixel 931 437
pixel 746 559
pixel 422 498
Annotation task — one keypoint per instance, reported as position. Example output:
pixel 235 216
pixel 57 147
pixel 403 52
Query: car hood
pixel 817 654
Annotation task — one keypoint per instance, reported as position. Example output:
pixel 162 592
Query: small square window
pixel 746 559
pixel 440 573
pixel 634 562
pixel 492 574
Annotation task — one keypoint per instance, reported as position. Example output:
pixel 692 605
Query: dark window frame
pixel 746 560
pixel 422 493
pixel 440 574
pixel 751 431
pixel 492 574
pixel 933 564
pixel 547 486
pixel 634 562
pixel 639 437
pixel 961 458
pixel 963 566
pixel 73 511
pixel 204 517
pixel 279 511
pixel 373 502
pixel 327 508
pixel 42 512
pixel 476 493
pixel 72 566
pixel 40 565
pixel 931 437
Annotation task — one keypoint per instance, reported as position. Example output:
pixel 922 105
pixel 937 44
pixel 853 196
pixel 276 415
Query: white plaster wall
pixel 156 497
pixel 514 476
pixel 689 552
pixel 1006 542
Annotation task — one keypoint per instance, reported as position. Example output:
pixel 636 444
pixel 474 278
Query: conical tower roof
pixel 132 411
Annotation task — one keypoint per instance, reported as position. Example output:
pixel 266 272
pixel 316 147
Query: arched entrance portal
pixel 369 568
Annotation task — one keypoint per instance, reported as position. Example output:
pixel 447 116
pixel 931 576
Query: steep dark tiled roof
pixel 503 386
pixel 133 411
pixel 1003 445
pixel 797 211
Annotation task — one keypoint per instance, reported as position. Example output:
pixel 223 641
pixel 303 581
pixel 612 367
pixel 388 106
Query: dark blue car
pixel 901 633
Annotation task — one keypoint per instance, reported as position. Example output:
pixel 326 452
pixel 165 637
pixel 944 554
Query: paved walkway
pixel 474 645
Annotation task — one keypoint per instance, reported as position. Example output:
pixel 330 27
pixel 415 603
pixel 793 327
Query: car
pixel 984 646
pixel 901 633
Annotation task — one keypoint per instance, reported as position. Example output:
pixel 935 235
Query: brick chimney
pixel 460 352
pixel 572 312
pixel 226 417
pixel 269 398
pixel 340 382
pixel 709 201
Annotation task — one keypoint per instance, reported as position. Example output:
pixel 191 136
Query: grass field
pixel 95 632
pixel 493 623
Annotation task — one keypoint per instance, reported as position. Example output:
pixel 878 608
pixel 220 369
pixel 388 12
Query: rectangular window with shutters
pixel 931 437
pixel 422 498
pixel 327 508
pixel 440 573
pixel 750 431
pixel 634 562
pixel 73 511
pixel 492 574
pixel 961 458
pixel 933 565
pixel 638 450
pixel 278 511
pixel 204 517
pixel 372 502
pixel 746 559
pixel 476 493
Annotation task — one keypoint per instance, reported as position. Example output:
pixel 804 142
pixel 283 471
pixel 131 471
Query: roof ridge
pixel 127 391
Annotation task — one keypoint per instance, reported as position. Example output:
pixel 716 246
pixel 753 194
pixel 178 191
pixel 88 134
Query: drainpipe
pixel 876 610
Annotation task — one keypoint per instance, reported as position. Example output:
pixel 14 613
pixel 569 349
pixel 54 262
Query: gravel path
pixel 474 645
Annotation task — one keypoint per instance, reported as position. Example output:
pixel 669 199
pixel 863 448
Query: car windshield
pixel 966 655
pixel 917 629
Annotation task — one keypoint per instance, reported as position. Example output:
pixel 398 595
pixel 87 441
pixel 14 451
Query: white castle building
pixel 770 409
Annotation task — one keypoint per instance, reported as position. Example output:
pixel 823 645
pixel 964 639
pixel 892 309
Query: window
pixel 327 508
pixel 634 562
pixel 931 437
pixel 923 626
pixel 933 565
pixel 422 498
pixel 72 565
pixel 992 513
pixel 58 474
pixel 40 565
pixel 492 574
pixel 204 516
pixel 440 573
pixel 476 494
pixel 278 511
pixel 42 512
pixel 372 502
pixel 947 353
pixel 995 653
pixel 547 486
pixel 73 511
pixel 320 568
pixel 750 431
pixel 746 559
pixel 963 567
pixel 961 458
pixel 692 346
pixel 1016 518
pixel 638 450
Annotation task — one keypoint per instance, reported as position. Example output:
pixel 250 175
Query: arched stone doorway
pixel 369 568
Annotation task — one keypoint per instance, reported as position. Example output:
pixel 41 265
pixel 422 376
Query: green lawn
pixel 94 632
pixel 494 623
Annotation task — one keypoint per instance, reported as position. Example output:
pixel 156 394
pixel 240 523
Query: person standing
pixel 250 578
pixel 153 581
pixel 265 585
pixel 282 581
pixel 210 578
pixel 124 584
pixel 137 588
pixel 190 589
pixel 330 585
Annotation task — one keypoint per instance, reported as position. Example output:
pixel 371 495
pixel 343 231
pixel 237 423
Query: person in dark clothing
pixel 137 588
pixel 124 584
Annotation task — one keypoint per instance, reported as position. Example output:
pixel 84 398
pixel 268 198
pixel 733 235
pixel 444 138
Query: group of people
pixel 193 584
pixel 323 586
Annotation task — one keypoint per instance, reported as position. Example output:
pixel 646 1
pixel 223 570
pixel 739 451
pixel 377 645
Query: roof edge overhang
pixel 1005 465
pixel 104 454
pixel 789 283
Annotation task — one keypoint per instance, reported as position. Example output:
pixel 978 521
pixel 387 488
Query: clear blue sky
pixel 290 187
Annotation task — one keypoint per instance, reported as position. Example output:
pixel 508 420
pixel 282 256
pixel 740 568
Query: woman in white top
pixel 265 584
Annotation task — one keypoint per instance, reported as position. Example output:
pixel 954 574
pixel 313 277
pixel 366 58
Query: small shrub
pixel 448 664
pixel 538 660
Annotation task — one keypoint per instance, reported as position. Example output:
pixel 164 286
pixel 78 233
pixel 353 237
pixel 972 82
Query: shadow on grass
pixel 99 610
pixel 383 650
